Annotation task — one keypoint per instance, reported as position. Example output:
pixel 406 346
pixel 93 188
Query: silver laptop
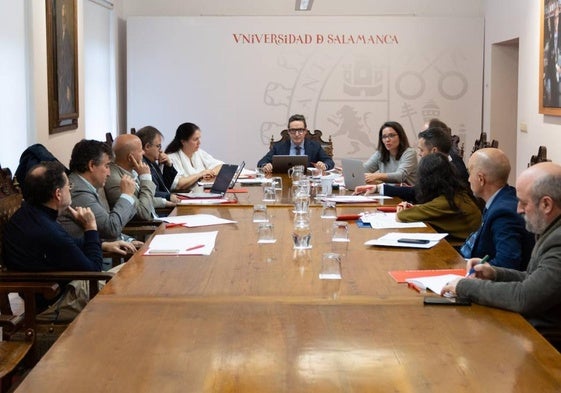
pixel 281 163
pixel 353 173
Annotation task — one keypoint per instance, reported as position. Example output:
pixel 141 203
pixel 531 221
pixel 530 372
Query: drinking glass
pixel 340 231
pixel 260 213
pixel 330 266
pixel 329 210
pixel 265 233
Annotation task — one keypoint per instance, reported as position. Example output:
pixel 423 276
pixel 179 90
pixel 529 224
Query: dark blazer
pixel 162 180
pixel 314 151
pixel 503 235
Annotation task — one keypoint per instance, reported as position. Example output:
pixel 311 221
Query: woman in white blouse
pixel 188 158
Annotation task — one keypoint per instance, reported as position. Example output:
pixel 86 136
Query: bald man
pixel 128 161
pixel 535 293
pixel 502 235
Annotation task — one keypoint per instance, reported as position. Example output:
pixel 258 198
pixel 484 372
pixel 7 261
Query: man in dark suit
pixel 164 175
pixel 298 145
pixel 502 234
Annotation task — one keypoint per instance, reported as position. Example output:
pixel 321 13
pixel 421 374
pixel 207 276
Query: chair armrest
pixel 92 277
pixel 27 291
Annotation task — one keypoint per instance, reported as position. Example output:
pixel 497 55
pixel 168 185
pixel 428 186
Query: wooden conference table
pixel 256 318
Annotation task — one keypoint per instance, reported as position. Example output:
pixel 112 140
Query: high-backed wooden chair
pixel 540 157
pixel 482 142
pixel 24 326
pixel 457 146
pixel 315 136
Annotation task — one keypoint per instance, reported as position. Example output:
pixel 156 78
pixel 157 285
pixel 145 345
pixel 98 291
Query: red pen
pixel 173 224
pixel 195 247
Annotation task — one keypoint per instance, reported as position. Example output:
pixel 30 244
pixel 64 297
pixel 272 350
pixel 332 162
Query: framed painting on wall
pixel 62 65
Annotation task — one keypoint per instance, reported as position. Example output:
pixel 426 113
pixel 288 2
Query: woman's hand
pixel 403 205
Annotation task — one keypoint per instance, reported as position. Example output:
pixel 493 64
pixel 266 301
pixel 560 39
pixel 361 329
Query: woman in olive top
pixel 444 202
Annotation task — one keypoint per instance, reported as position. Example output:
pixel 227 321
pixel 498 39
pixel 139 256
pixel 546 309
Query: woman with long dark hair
pixel 188 158
pixel 444 202
pixel 395 161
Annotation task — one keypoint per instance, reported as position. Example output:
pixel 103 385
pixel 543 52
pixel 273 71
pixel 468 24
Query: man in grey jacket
pixel 128 162
pixel 89 164
pixel 535 293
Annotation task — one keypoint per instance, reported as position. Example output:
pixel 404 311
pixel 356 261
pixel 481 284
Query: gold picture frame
pixel 62 65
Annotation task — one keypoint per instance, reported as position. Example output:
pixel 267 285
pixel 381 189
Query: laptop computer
pixel 281 163
pixel 208 184
pixel 353 173
pixel 221 183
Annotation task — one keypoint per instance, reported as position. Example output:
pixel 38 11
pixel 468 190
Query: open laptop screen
pixel 281 163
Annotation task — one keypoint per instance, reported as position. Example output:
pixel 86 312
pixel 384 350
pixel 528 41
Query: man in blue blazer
pixel 298 145
pixel 502 234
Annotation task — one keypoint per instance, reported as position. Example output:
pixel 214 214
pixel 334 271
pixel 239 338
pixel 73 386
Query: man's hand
pixel 118 247
pixel 85 217
pixel 164 159
pixel 320 165
pixel 174 198
pixel 128 185
pixel 366 189
pixel 483 271
pixel 140 167
pixel 267 168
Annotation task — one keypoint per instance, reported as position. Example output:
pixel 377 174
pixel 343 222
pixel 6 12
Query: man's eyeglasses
pixel 158 146
pixel 297 131
pixel 389 136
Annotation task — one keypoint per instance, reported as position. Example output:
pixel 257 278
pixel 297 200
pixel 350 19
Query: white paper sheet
pixel 182 244
pixel 381 220
pixel 391 239
pixel 434 283
pixel 197 220
pixel 354 198
pixel 208 201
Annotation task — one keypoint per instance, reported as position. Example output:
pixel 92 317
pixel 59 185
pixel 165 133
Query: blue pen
pixel 472 270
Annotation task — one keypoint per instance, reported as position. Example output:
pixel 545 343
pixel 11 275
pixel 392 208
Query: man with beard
pixel 535 293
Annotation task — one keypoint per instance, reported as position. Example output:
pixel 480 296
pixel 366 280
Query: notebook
pixel 353 173
pixel 221 183
pixel 281 163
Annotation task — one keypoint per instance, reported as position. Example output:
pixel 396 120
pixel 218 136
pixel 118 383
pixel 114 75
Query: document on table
pixel 381 220
pixel 411 240
pixel 200 243
pixel 354 198
pixel 434 283
pixel 204 201
pixel 197 220
pixel 256 180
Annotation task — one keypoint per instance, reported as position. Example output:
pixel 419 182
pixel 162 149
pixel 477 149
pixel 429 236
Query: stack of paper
pixel 381 220
pixel 434 283
pixel 197 220
pixel 354 198
pixel 200 243
pixel 412 240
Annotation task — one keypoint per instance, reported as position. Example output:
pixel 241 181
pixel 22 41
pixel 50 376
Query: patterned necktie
pixel 467 247
pixel 298 150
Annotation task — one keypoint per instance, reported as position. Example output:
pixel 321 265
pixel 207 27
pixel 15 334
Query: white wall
pixel 505 20
pixel 199 69
pixel 13 79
